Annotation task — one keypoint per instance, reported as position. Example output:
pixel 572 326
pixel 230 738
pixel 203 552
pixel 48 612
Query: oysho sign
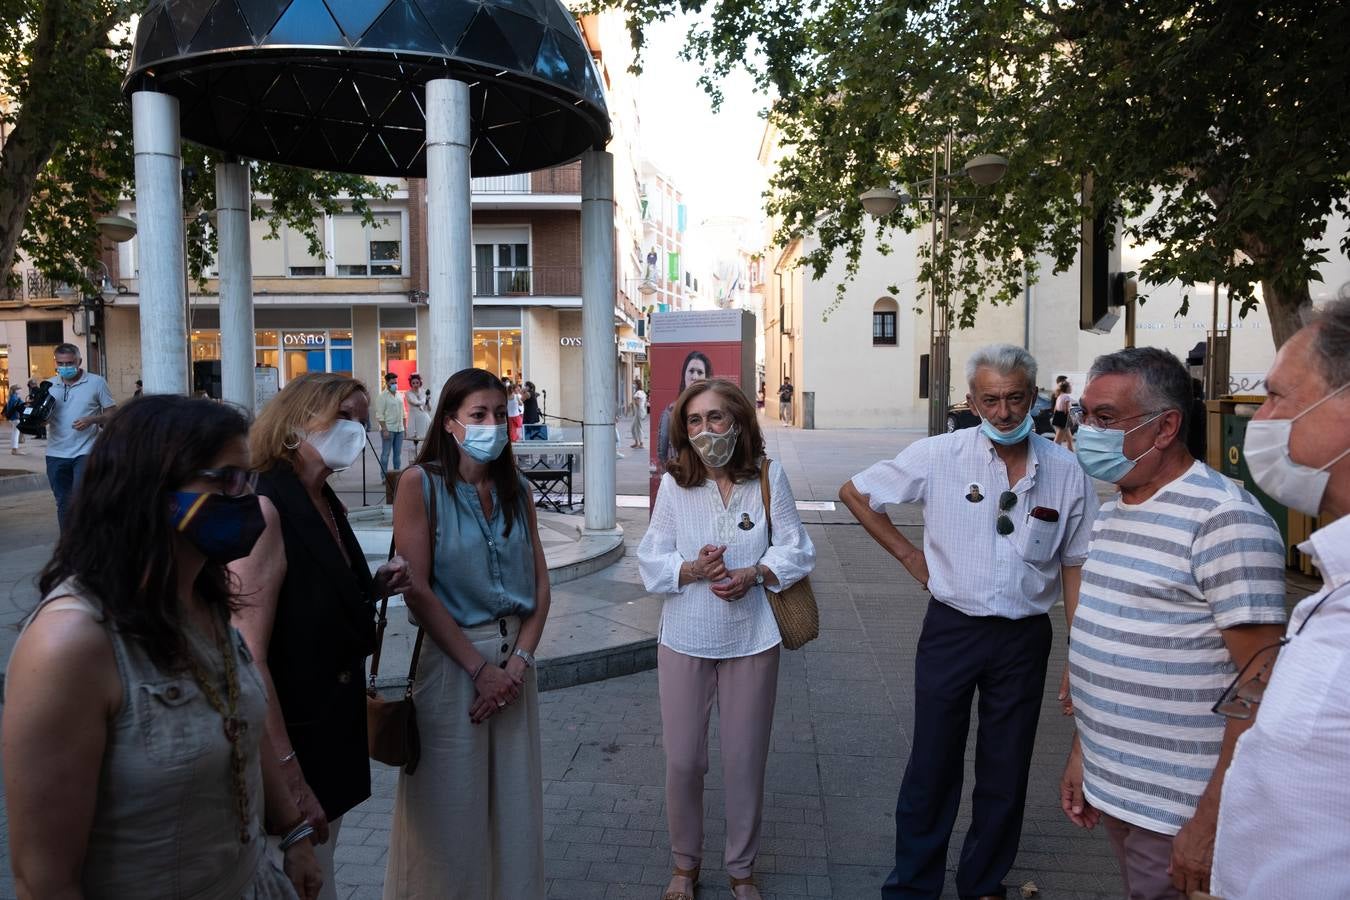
pixel 570 341
pixel 311 340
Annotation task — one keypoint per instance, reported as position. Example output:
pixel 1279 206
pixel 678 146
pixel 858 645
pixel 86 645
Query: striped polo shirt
pixel 1147 659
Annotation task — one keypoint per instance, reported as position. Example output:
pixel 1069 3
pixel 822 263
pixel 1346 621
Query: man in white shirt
pixel 1282 828
pixel 389 414
pixel 83 404
pixel 1183 584
pixel 1007 516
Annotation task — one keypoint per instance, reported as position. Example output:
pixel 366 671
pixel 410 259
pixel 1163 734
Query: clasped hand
pixel 729 584
pixel 497 687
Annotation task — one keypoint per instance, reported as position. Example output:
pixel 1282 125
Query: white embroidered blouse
pixel 694 620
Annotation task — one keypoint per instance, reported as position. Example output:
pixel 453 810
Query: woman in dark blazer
pixel 307 600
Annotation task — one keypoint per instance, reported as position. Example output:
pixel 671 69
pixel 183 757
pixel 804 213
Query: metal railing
pixel 527 281
pixel 557 180
pixel 502 184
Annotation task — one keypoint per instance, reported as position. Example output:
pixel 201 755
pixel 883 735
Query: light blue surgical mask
pixel 1006 438
pixel 1101 451
pixel 67 372
pixel 484 442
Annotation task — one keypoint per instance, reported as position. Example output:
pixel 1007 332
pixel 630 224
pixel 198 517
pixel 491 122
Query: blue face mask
pixel 222 528
pixel 1101 451
pixel 484 442
pixel 67 372
pixel 1006 438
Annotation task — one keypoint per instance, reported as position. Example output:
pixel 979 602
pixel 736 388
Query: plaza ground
pixel 841 731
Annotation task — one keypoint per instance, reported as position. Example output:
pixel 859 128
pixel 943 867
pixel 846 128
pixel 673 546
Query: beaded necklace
pixel 234 727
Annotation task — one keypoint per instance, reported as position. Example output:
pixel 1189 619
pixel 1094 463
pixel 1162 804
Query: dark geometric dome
pixel 339 85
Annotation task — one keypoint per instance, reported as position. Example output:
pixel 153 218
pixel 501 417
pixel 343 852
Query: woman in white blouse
pixel 708 550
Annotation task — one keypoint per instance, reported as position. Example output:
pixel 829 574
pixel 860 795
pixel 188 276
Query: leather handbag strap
pixel 382 619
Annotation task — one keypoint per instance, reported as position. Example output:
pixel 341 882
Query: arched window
pixel 883 322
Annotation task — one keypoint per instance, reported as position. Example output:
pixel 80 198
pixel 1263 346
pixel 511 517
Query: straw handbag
pixel 794 607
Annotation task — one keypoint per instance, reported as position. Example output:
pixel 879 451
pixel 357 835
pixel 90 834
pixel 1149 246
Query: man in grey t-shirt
pixel 83 403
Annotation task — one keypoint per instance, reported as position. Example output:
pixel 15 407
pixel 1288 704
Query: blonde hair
pixel 311 398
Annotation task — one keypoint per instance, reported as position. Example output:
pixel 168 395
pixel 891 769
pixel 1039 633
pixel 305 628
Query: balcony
pixel 527 281
pixel 556 188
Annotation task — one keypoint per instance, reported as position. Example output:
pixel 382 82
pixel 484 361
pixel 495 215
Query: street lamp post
pixel 983 170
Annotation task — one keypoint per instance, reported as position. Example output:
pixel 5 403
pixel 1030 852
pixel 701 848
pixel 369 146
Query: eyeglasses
pixel 1242 696
pixel 1006 501
pixel 1110 422
pixel 233 481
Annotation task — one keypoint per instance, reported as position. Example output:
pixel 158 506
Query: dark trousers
pixel 63 474
pixel 1005 660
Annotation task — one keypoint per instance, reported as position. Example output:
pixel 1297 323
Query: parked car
pixel 960 415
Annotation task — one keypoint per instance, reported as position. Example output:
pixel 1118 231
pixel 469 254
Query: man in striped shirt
pixel 1183 583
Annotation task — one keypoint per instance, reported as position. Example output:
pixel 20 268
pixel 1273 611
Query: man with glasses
pixel 1282 822
pixel 83 403
pixel 1007 516
pixel 1183 585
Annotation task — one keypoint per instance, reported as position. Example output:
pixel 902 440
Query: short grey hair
pixel 1003 359
pixel 1331 339
pixel 1165 381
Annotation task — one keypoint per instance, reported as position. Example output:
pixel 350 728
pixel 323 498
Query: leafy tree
pixel 67 153
pixel 1219 130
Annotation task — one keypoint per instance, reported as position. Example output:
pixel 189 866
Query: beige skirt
pixel 469 825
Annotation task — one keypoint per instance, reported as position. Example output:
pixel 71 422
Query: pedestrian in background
pixel 1059 417
pixel 1281 830
pixel 13 407
pixel 1007 517
pixel 83 403
pixel 419 411
pixel 1183 583
pixel 639 415
pixel 785 401
pixel 515 413
pixel 389 415
pixel 535 430
pixel 697 367
pixel 134 749
pixel 306 600
pixel 710 550
pixel 469 823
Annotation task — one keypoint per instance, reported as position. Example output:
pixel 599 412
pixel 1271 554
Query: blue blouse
pixel 480 573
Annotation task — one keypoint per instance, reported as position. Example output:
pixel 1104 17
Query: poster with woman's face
pixel 688 347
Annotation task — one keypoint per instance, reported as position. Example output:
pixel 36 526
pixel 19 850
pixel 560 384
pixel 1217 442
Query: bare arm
pixel 878 525
pixel 1193 847
pixel 62 691
pixel 1072 579
pixel 260 576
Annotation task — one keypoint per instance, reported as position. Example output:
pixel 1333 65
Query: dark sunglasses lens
pixel 1006 501
pixel 1004 526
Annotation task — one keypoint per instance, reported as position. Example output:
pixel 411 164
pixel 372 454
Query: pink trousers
pixel 745 689
pixel 1144 857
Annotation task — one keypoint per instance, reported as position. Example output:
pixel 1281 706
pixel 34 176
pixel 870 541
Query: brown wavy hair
pixel 440 451
pixel 686 465
pixel 306 399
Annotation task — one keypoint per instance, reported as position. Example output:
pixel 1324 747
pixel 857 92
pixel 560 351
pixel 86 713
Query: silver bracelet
pixel 296 835
pixel 287 758
pixel 527 656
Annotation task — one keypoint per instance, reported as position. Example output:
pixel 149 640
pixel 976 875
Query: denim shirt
pixel 480 573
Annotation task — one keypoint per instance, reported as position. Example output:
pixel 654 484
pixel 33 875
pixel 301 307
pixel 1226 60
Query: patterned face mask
pixel 715 449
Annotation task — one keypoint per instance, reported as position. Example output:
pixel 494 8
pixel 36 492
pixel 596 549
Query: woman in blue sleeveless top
pixel 468 825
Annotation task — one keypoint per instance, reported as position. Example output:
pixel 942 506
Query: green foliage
pixel 68 154
pixel 1219 129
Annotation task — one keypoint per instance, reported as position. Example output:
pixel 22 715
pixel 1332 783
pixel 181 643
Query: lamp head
pixel 986 169
pixel 119 229
pixel 880 202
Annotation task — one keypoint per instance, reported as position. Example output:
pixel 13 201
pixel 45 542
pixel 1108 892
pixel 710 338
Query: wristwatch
pixel 527 656
pixel 759 576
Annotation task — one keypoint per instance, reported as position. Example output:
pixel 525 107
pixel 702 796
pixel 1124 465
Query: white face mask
pixel 340 444
pixel 1266 447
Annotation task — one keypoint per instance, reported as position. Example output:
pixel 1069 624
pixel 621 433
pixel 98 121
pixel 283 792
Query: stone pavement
pixel 841 731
